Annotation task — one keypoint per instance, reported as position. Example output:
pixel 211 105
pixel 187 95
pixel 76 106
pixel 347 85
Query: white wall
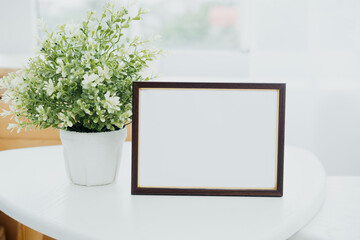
pixel 313 46
pixel 17 31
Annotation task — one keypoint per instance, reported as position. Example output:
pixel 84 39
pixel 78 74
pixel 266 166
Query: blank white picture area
pixel 208 138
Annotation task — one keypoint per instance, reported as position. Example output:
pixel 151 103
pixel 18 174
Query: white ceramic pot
pixel 92 159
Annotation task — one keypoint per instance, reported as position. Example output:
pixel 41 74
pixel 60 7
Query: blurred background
pixel 312 46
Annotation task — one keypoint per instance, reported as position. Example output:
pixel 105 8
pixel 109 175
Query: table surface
pixel 339 217
pixel 35 191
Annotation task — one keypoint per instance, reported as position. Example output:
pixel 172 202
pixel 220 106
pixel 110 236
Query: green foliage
pixel 81 79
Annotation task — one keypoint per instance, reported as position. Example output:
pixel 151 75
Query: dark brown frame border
pixel 136 190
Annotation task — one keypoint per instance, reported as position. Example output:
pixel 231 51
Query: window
pixel 201 38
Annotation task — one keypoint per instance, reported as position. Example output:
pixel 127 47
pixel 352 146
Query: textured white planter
pixel 92 158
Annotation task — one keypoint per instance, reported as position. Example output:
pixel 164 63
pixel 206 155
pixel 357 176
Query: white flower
pixel 92 43
pixel 111 103
pixel 121 64
pixel 59 94
pixel 12 108
pixel 18 80
pixel 73 30
pixel 59 84
pixel 12 126
pixel 111 99
pixel 60 61
pixel 42 114
pixel 66 122
pixel 104 72
pixel 85 60
pixel 127 114
pixel 40 109
pixel 5 113
pixel 49 87
pixel 61 67
pixel 9 95
pixel 91 80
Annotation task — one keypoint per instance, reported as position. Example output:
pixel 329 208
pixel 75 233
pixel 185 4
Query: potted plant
pixel 81 83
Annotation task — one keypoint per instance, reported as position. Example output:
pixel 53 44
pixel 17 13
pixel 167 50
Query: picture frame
pixel 224 139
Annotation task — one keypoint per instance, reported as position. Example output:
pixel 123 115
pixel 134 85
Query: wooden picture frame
pixel 173 152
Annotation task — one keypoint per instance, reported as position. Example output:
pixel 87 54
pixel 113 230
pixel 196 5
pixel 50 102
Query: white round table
pixel 35 191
